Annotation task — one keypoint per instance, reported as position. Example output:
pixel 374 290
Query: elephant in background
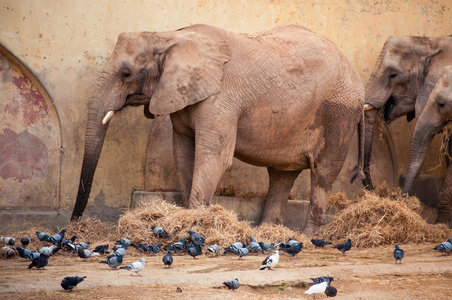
pixel 403 77
pixel 286 99
pixel 436 114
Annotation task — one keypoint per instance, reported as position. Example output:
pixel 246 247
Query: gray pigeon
pixel 68 283
pixel 85 253
pixel 293 250
pixel 43 236
pixel 214 249
pixel 444 247
pixel 320 243
pixel 268 246
pixel 160 232
pixel 154 249
pixel 196 238
pixel 33 255
pixel 40 261
pixel 101 249
pixel 121 251
pixel 136 267
pixel 177 246
pixel 167 259
pixel 241 252
pixel 124 241
pixel 9 241
pixel 232 284
pixel 24 252
pixel 58 238
pixel 50 250
pixel 113 262
pixel 344 247
pixel 398 254
pixel 255 246
pixel 234 247
pixel 195 251
pixel 322 279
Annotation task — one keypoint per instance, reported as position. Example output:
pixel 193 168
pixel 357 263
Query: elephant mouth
pixel 387 111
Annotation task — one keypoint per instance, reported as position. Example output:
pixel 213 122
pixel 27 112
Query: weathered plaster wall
pixel 65 44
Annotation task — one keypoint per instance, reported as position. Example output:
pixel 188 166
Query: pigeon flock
pixel 40 257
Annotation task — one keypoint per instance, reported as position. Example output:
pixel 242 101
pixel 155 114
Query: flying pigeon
pixel 9 241
pixel 68 283
pixel 40 261
pixel 50 250
pixel 101 249
pixel 232 284
pixel 85 253
pixel 196 238
pixel 167 259
pixel 398 254
pixel 320 243
pixel 195 251
pixel 214 249
pixel 42 236
pixel 24 252
pixel 271 261
pixel 268 246
pixel 58 238
pixel 25 241
pixel 135 267
pixel 255 246
pixel 330 291
pixel 124 241
pixel 113 262
pixel 318 288
pixel 9 251
pixel 344 247
pixel 176 246
pixel 444 247
pixel 160 232
pixel 322 279
pixel 292 250
pixel 234 247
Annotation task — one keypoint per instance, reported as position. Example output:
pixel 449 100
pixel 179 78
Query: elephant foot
pixel 310 228
pixel 272 219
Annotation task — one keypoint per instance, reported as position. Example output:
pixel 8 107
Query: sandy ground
pixel 361 274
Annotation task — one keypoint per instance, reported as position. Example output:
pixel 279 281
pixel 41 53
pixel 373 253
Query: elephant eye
pixel 125 75
pixel 392 76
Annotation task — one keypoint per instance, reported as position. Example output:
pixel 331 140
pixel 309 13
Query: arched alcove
pixel 30 139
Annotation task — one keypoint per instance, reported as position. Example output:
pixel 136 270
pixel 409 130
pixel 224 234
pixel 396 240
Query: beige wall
pixel 65 44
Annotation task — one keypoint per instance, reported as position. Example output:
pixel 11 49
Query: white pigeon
pixel 317 288
pixel 135 267
pixel 271 261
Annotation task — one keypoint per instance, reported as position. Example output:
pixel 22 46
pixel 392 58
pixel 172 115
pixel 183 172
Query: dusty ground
pixel 361 274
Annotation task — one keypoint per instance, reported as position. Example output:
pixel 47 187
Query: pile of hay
pixel 372 220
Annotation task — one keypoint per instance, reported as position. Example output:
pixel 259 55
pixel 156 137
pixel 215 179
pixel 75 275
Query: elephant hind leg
pixel 280 184
pixel 445 200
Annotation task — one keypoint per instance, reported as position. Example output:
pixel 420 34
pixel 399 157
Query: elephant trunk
pixel 369 119
pixel 94 139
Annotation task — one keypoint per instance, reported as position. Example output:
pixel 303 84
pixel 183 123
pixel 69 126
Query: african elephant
pixel 436 114
pixel 401 82
pixel 286 99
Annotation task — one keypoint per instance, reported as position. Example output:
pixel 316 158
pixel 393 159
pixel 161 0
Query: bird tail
pixel 126 267
pixel 103 262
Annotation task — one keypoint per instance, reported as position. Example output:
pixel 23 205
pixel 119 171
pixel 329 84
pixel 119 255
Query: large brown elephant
pixel 436 114
pixel 286 99
pixel 401 82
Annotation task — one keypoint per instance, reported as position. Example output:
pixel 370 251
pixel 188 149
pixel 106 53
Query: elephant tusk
pixel 368 107
pixel 108 116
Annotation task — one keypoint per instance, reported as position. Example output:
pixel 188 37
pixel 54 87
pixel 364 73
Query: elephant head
pixel 435 115
pixel 165 72
pixel 395 83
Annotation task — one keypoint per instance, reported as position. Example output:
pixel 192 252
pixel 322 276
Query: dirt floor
pixel 361 274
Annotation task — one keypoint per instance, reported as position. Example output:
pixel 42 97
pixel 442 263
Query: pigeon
pixel 330 291
pixel 39 261
pixel 124 241
pixel 33 255
pixel 322 279
pixel 101 249
pixel 25 241
pixel 320 243
pixel 268 246
pixel 271 261
pixel 195 251
pixel 255 247
pixel 153 249
pixel 9 241
pixel 121 251
pixel 398 254
pixel 58 238
pixel 179 290
pixel 292 250
pixel 139 247
pixel 234 247
pixel 160 232
pixel 176 246
pixel 344 247
pixel 196 238
pixel 42 236
pixel 68 283
pixel 214 249
pixel 9 251
pixel 113 262
pixel 232 284
pixel 318 288
pixel 291 242
pixel 85 253
pixel 167 259
pixel 50 250
pixel 135 267
pixel 24 252
pixel 242 252
pixel 444 247
pixel 68 244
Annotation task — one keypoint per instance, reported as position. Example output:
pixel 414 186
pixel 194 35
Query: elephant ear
pixel 428 84
pixel 192 71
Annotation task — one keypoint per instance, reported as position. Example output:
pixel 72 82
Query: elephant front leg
pixel 445 200
pixel 184 156
pixel 280 184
